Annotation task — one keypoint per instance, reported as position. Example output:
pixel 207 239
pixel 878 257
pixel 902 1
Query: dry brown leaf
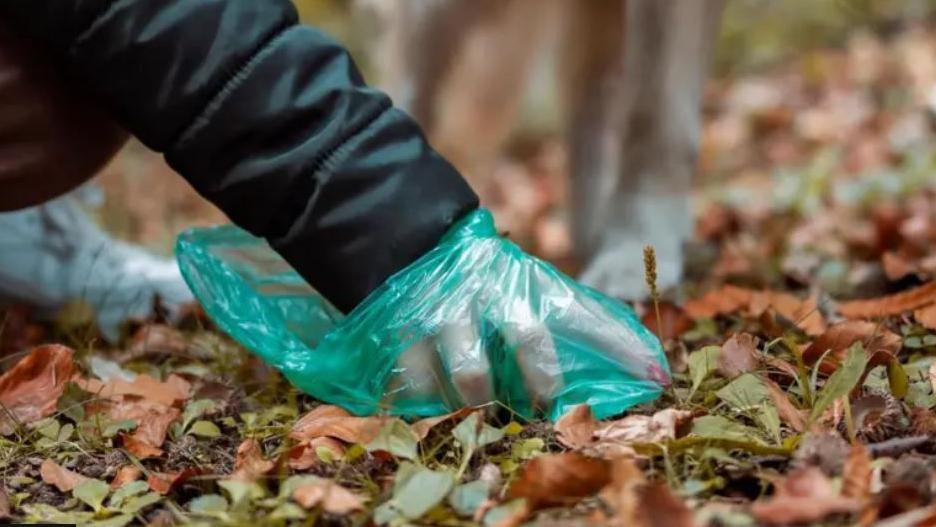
pixel 663 425
pixel 880 344
pixel 895 266
pixel 332 497
pixel 926 316
pixel 890 305
pixel 723 301
pixel 305 455
pixel 30 390
pixel 249 463
pixel 164 482
pixel 172 392
pixel 125 474
pixel 139 448
pixel 804 313
pixel 673 321
pixel 659 507
pixel 789 414
pixel 4 505
pixel 157 339
pixel 333 421
pixel 422 427
pixel 805 495
pixel 856 476
pixel 153 421
pixel 738 355
pixel 621 492
pixel 576 429
pixel 59 477
pixel 560 479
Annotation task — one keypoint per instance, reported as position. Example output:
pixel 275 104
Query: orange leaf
pixel 61 478
pixel 621 492
pixel 658 506
pixel 125 474
pixel 249 464
pixel 332 497
pixel 896 266
pixel 805 496
pixel 30 390
pixel 560 479
pixel 139 448
pixel 785 409
pixel 880 344
pixel 804 313
pixel 157 339
pixel 173 392
pixel 724 301
pixel 305 455
pixel 332 421
pixel 674 321
pixel 890 305
pixel 576 429
pixel 164 482
pixel 926 316
pixel 856 477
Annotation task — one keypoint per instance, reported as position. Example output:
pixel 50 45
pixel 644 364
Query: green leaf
pixel 499 515
pixel 48 428
pixel 209 504
pixel 748 395
pixel 65 432
pixel 92 492
pixel 127 491
pixel 288 511
pixel 397 438
pixel 421 490
pixel 112 428
pixel 719 427
pixel 472 433
pixel 527 448
pixel 468 498
pixel 841 382
pixel 242 491
pixel 116 521
pixel 898 379
pixel 71 403
pixel 138 503
pixel 701 364
pixel 513 428
pixel 194 410
pixel 205 429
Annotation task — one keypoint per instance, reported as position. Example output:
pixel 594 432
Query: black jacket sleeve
pixel 268 119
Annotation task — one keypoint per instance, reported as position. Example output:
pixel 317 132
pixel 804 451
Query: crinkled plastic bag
pixel 474 320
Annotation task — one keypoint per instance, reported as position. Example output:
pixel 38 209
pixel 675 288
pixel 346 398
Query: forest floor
pixel 803 345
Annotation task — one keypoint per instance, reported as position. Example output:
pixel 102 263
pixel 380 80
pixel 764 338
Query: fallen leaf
pixel 416 491
pixel 560 479
pixel 333 421
pixel 153 421
pixel 249 463
pixel 172 392
pixel 164 482
pixel 659 507
pixel 805 495
pixel 140 449
pixel 842 381
pixel 61 478
pixel 4 505
pixel 805 314
pixel 788 413
pixel 856 476
pixel 307 455
pixel 895 266
pixel 576 429
pixel 157 339
pixel 727 300
pixel 890 305
pixel 880 344
pixel 926 316
pixel 125 474
pixel 422 427
pixel 661 426
pixel 30 390
pixel 332 497
pixel 738 355
pixel 621 492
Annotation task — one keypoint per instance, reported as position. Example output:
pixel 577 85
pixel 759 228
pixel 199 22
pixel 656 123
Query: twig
pixel 898 445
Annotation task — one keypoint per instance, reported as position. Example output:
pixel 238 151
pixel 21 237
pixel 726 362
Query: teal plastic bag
pixel 474 320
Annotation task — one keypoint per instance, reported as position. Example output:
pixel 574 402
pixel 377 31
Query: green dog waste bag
pixel 474 320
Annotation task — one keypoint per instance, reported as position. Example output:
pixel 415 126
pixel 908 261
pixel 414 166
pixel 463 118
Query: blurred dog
pixel 632 74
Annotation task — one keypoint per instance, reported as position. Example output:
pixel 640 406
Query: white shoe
pixel 54 254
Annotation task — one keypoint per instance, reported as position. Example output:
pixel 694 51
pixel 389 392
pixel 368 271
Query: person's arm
pixel 268 119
